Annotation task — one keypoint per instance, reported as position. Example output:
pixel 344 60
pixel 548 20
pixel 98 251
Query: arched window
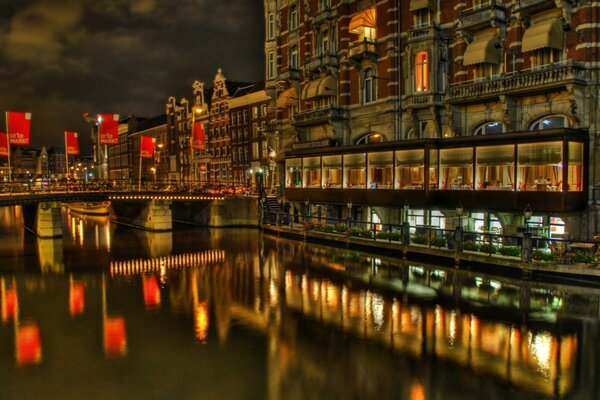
pixel 369 87
pixel 549 122
pixel 422 72
pixel 489 128
pixel 373 137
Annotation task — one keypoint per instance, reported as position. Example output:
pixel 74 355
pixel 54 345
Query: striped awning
pixel 287 98
pixel 542 34
pixel 483 50
pixel 322 87
pixel 364 19
pixel 310 90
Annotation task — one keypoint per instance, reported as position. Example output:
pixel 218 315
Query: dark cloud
pixel 60 59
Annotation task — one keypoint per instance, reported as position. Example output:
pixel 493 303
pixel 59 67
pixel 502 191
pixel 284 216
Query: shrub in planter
pixel 419 239
pixel 310 225
pixel 540 255
pixel 382 235
pixel 488 248
pixel 437 241
pixel 366 233
pixel 355 231
pixel 327 228
pixel 395 235
pixel 581 257
pixel 510 251
pixel 341 228
pixel 470 246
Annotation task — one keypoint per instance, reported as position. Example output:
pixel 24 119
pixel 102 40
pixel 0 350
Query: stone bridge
pixel 152 211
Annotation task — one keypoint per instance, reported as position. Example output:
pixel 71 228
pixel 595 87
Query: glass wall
pixel 311 167
pixel 354 171
pixel 540 166
pixel 410 169
pixel 332 172
pixel 575 175
pixel 495 167
pixel 456 169
pixel 433 169
pixel 293 168
pixel 381 170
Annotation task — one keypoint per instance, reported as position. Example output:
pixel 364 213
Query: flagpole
pixel 66 158
pixel 140 173
pixel 8 147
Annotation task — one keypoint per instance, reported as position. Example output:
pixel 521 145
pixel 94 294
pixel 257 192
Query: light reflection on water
pixel 222 314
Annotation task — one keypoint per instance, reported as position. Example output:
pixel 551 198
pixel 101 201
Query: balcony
pixel 535 80
pixel 290 74
pixel 423 32
pixel 321 62
pixel 319 116
pixel 530 7
pixel 481 16
pixel 422 101
pixel 364 49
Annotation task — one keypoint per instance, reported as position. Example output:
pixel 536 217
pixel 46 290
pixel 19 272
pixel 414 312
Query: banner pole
pixel 66 158
pixel 140 173
pixel 8 147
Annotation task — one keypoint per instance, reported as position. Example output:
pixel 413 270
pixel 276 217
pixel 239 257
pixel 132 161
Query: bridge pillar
pixel 44 219
pixel 158 217
pixel 152 215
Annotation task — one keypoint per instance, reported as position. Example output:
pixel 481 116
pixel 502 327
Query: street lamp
pixel 349 205
pixel 306 207
pixel 459 213
pixel 405 210
pixel 153 170
pixel 527 214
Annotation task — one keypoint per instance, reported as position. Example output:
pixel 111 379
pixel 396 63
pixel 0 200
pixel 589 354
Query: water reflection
pixel 222 314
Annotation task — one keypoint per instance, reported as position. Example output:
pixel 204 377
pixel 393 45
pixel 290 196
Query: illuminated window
pixel 422 72
pixel 332 171
pixel 311 167
pixel 495 167
pixel 381 169
pixel 489 128
pixel 369 87
pixel 410 169
pixel 456 169
pixel 355 171
pixel 575 174
pixel 545 56
pixel 293 169
pixel 540 167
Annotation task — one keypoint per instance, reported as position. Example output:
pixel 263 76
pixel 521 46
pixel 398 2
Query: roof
pixel 250 88
pixel 153 122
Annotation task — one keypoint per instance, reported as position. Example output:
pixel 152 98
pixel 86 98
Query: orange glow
pixel 29 345
pixel 115 336
pixel 201 321
pixel 76 298
pixel 10 304
pixel 151 292
pixel 417 391
pixel 422 71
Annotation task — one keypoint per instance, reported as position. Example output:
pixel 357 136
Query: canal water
pixel 108 312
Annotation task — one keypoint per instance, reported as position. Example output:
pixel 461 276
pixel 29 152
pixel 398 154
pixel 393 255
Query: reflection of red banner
pixel 151 292
pixel 108 128
pixel 9 304
pixel 198 136
pixel 76 298
pixel 29 345
pixel 147 147
pixel 115 336
pixel 72 143
pixel 19 127
pixel 3 144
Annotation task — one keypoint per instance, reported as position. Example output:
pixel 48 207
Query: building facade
pixel 179 128
pixel 487 104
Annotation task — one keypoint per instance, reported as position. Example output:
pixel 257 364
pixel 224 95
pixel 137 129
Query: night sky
pixel 61 58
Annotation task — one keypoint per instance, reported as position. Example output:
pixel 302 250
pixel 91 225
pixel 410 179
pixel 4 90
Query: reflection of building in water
pixel 160 244
pixel 50 253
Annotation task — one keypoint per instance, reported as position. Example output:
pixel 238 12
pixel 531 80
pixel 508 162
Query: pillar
pixel 158 216
pixel 48 220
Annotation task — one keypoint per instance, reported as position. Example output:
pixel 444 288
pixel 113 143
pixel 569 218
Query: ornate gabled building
pixel 178 146
pixel 488 104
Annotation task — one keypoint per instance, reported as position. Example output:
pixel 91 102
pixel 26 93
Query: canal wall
pixel 231 211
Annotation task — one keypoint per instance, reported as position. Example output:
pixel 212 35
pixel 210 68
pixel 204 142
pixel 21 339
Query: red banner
pixel 3 144
pixel 147 147
pixel 151 291
pixel 19 127
pixel 108 128
pixel 198 136
pixel 72 143
pixel 115 336
pixel 29 344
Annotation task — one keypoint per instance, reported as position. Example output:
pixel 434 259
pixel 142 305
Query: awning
pixel 310 90
pixel 482 50
pixel 546 33
pixel 287 98
pixel 364 19
pixel 421 4
pixel 322 87
pixel 327 86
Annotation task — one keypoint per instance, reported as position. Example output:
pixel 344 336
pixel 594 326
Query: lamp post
pixel 527 247
pixel 405 224
pixel 153 170
pixel 349 206
pixel 459 213
pixel 527 214
pixel 458 233
pixel 307 208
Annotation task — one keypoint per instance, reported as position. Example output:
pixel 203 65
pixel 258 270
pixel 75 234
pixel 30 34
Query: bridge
pixel 148 210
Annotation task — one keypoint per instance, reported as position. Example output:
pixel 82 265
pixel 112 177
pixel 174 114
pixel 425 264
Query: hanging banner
pixel 147 146
pixel 72 143
pixel 19 127
pixel 198 136
pixel 108 128
pixel 3 144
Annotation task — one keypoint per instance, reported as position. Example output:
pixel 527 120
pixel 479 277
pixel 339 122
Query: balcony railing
pixel 319 115
pixel 423 32
pixel 290 73
pixel 482 14
pixel 526 81
pixel 363 49
pixel 323 60
pixel 422 100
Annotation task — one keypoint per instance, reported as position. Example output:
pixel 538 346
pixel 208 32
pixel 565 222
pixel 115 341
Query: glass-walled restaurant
pixel 444 169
